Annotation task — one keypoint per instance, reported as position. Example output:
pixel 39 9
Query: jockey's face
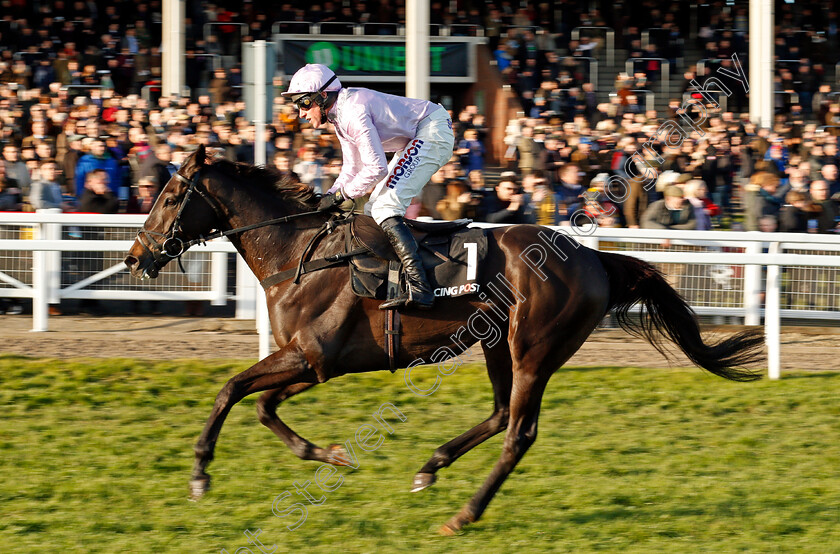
pixel 313 114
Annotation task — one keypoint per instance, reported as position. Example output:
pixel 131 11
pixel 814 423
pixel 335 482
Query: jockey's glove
pixel 331 201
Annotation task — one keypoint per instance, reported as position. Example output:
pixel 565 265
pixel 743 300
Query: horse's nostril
pixel 130 261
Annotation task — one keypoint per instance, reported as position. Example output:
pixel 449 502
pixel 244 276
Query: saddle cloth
pixel 452 255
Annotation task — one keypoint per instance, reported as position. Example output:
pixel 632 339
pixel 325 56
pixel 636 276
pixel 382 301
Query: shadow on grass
pixel 814 375
pixel 19 357
pixel 584 369
pixel 628 512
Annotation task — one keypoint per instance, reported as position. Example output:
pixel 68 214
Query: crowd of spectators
pixel 80 131
pixel 736 176
pixel 82 126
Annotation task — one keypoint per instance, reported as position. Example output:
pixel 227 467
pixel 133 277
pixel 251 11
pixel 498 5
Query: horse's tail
pixel 667 314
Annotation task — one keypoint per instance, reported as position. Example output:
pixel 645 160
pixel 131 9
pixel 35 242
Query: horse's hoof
pixel 422 481
pixel 198 487
pixel 449 530
pixel 456 524
pixel 337 456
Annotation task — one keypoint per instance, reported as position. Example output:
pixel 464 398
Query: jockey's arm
pixel 364 163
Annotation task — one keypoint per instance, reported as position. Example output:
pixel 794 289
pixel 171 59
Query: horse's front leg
pixel 282 369
pixel 300 447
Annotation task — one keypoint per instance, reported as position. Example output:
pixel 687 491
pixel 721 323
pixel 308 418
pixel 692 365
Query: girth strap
pixel 309 267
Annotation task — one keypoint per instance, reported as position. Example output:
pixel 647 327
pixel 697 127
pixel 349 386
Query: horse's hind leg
pixel 300 447
pixel 521 433
pixel 499 370
pixel 284 368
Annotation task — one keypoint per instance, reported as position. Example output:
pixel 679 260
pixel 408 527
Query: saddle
pixel 369 234
pixel 376 273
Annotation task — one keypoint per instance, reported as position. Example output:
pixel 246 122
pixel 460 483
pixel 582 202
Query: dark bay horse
pixel 545 296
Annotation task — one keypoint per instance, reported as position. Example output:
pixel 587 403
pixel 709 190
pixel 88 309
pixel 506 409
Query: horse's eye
pixel 169 202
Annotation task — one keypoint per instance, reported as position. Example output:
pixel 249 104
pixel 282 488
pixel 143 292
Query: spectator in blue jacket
pixel 471 151
pixel 99 158
pixel 567 193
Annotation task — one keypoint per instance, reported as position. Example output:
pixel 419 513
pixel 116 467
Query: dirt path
pixel 227 338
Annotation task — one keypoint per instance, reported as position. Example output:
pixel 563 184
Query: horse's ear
pixel 200 155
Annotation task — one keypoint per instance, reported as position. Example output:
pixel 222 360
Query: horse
pixel 550 294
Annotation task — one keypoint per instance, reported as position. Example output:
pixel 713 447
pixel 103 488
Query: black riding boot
pixel 419 293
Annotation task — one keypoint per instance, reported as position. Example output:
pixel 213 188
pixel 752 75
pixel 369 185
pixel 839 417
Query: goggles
pixel 305 101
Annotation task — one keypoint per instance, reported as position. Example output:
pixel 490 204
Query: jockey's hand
pixel 330 201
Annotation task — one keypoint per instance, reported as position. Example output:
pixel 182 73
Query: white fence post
pixel 218 278
pixel 52 231
pixel 40 284
pixel 752 288
pixel 772 323
pixel 263 326
pixel 246 290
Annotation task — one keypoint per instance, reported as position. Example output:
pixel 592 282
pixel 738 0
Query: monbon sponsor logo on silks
pixel 405 166
pixel 466 288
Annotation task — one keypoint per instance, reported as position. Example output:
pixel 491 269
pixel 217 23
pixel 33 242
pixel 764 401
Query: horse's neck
pixel 267 250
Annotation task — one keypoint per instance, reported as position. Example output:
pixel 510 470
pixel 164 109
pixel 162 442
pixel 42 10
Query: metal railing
pixel 650 97
pixel 151 93
pixel 701 65
pixel 334 28
pixel 719 32
pixel 464 30
pixel 292 27
pixel 216 59
pixel 208 28
pixel 380 29
pixel 592 70
pixel 665 77
pixel 797 62
pixel 609 33
pixel 29 57
pixel 69 88
pixel 372 29
pixel 695 16
pixel 531 28
pixel 792 97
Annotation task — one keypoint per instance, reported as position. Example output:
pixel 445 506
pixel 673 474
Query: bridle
pixel 172 246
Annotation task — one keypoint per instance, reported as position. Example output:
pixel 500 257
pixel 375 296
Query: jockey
pixel 368 124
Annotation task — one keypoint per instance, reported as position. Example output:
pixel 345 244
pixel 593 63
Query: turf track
pixel 95 457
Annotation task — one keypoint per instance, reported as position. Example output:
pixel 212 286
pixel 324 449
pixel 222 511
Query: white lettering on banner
pixel 472 260
pixel 457 290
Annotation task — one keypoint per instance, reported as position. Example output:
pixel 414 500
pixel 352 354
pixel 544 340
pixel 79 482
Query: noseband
pixel 173 246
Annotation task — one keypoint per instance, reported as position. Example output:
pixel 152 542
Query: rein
pixel 173 247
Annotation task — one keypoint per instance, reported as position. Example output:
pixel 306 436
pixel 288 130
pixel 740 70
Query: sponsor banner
pixel 373 58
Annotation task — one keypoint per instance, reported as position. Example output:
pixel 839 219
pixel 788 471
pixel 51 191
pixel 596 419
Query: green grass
pixel 95 457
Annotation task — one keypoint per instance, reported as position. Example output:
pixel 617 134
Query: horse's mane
pixel 301 194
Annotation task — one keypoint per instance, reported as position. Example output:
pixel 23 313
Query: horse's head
pixel 182 212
